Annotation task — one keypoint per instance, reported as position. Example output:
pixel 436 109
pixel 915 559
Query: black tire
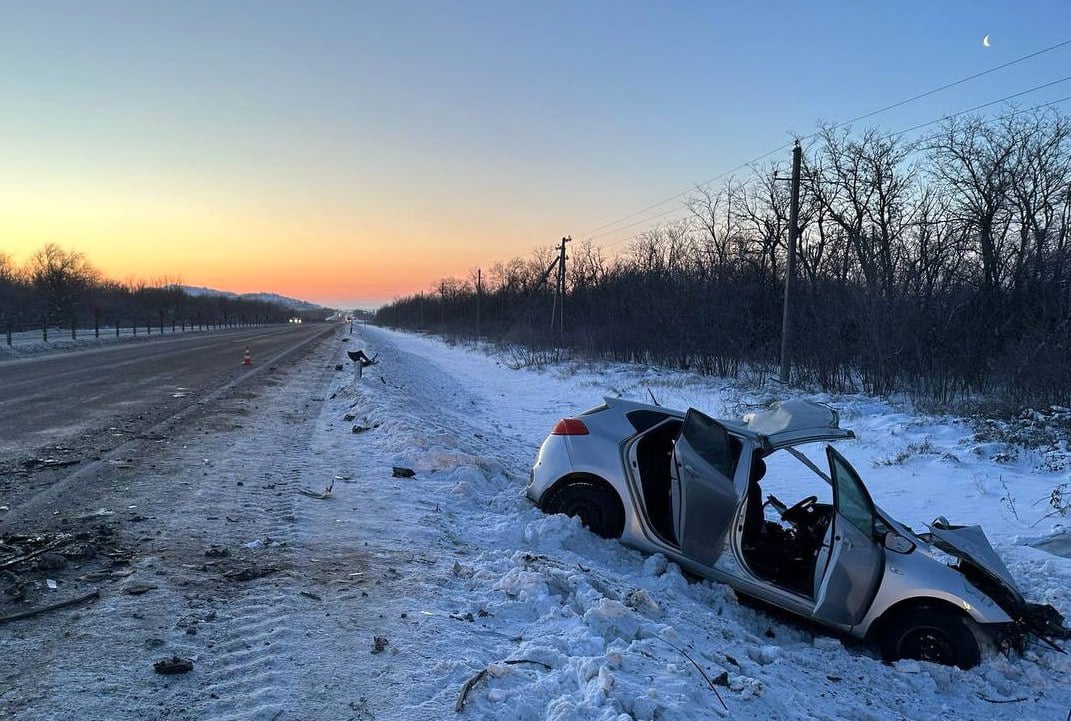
pixel 932 634
pixel 597 508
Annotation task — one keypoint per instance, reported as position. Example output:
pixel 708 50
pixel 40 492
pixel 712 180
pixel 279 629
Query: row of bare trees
pixel 59 288
pixel 938 266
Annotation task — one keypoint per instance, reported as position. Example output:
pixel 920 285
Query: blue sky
pixel 422 139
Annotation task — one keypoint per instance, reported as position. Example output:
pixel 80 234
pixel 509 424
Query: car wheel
pixel 932 634
pixel 596 507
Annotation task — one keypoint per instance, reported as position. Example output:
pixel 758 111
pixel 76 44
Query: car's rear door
pixel 850 580
pixel 703 496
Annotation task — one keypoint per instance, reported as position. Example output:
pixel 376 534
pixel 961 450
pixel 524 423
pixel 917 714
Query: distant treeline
pixel 937 266
pixel 60 289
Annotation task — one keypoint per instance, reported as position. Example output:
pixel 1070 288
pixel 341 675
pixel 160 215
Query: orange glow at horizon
pixel 138 238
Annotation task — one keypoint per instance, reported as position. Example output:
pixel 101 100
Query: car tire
pixel 596 507
pixel 939 635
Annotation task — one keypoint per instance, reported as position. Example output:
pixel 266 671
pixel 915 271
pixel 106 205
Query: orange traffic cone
pixel 247 359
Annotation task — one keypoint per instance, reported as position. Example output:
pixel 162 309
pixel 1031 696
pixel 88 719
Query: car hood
pixel 970 545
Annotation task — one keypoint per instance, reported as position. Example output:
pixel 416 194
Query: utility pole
pixel 790 269
pixel 479 290
pixel 560 290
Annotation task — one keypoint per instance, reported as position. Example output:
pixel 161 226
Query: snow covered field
pixel 385 598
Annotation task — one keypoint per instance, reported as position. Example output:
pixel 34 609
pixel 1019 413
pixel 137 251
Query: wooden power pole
pixel 790 269
pixel 560 290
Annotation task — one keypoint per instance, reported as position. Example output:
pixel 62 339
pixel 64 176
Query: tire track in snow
pixel 247 646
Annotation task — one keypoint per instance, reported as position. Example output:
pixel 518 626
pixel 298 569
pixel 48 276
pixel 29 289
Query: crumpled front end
pixel 984 569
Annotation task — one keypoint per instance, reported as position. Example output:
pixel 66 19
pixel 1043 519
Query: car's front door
pixel 702 493
pixel 846 587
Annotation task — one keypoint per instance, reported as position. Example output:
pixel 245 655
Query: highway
pixel 72 403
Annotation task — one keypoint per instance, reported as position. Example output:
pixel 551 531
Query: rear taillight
pixel 569 427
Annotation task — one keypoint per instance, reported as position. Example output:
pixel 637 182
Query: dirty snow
pixel 397 591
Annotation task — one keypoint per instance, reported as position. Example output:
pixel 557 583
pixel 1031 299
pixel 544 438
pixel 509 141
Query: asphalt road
pixel 56 402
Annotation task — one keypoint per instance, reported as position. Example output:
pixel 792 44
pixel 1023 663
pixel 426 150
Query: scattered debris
pixel 250 574
pixel 400 472
pixel 379 644
pixel 361 429
pixel 172 666
pixel 310 594
pixel 698 668
pixel 33 464
pixel 215 552
pixel 51 561
pixel 463 696
pixel 1006 700
pixel 54 543
pixel 349 417
pixel 358 356
pixel 338 366
pixel 139 588
pixel 326 493
pixel 95 593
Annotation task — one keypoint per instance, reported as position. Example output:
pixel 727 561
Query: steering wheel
pixel 799 511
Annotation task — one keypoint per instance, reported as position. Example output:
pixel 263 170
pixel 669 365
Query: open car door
pixel 702 493
pixel 846 587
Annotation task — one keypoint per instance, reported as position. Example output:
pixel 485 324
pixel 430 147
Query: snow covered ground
pixel 386 598
pixel 590 612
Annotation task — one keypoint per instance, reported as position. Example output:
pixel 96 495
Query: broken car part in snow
pixel 359 357
pixel 400 472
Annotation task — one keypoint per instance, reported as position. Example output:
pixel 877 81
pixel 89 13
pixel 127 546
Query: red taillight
pixel 569 427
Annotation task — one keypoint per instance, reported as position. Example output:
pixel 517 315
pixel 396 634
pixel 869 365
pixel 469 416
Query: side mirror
pixel 898 544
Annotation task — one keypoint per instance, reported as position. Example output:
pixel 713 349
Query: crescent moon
pixel 985 41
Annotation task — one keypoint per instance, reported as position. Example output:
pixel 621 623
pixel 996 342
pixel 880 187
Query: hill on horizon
pixel 292 303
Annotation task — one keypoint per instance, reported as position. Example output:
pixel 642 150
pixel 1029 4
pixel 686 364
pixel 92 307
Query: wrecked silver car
pixel 691 487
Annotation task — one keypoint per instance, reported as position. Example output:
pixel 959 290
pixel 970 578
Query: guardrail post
pixel 44 331
pixel 9 330
pixel 74 324
pixel 96 322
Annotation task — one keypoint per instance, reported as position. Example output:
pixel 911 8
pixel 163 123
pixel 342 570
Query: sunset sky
pixel 351 152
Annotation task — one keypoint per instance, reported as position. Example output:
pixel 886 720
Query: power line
pixel 597 232
pixel 943 118
pixel 1005 99
pixel 928 93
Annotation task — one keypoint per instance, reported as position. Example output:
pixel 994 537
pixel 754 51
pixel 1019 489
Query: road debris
pixel 250 574
pixel 17 559
pixel 400 472
pixel 172 666
pixel 482 673
pixel 325 493
pixel 95 593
